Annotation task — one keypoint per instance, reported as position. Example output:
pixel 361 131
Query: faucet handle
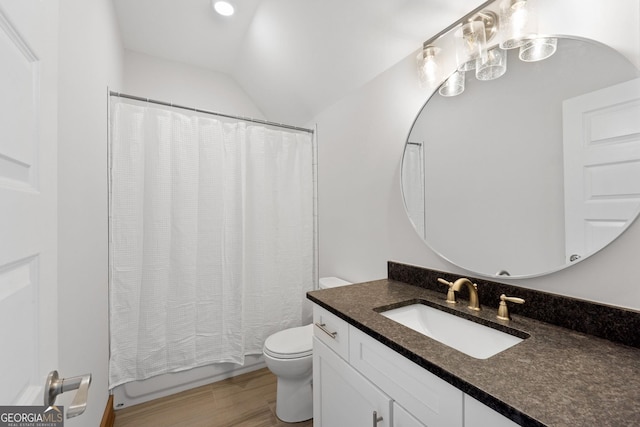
pixel 445 282
pixel 451 295
pixel 503 311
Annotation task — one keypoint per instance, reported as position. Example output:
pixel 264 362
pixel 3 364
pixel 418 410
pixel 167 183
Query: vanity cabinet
pixel 354 376
pixel 401 418
pixel 343 397
pixel 477 414
pixel 426 397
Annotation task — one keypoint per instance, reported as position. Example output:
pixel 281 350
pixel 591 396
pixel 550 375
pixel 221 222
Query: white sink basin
pixel 471 338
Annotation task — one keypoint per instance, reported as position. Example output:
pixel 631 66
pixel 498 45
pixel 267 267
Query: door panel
pixel 602 165
pixel 28 136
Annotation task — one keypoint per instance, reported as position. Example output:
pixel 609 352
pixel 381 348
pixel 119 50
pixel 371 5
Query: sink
pixel 474 339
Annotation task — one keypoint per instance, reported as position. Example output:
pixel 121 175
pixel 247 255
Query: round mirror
pixel 531 172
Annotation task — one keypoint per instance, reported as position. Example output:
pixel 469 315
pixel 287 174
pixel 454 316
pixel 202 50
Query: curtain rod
pixel 197 110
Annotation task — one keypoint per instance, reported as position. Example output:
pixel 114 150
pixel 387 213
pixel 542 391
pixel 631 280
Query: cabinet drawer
pixel 430 399
pixel 331 330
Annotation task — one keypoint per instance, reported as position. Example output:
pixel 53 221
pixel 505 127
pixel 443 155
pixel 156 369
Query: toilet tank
pixel 332 282
pixel 323 283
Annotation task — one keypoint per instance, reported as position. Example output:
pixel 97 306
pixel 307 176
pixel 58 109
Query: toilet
pixel 288 355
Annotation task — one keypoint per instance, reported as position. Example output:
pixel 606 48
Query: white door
pixel 602 165
pixel 28 136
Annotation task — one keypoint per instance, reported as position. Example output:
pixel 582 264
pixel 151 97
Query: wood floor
pixel 247 400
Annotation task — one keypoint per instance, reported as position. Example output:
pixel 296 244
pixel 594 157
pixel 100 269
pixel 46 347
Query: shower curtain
pixel 211 238
pixel 413 185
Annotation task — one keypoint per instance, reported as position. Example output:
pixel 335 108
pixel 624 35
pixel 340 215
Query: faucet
pixel 454 287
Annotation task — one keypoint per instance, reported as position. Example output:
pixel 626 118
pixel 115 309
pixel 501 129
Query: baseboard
pixel 109 416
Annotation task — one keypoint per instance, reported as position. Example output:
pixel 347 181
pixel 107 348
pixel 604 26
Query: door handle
pixel 56 385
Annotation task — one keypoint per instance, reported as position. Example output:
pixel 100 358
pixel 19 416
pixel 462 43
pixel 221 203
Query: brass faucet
pixel 454 287
pixel 503 311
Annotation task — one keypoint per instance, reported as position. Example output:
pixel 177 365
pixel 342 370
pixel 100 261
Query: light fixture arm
pixel 466 18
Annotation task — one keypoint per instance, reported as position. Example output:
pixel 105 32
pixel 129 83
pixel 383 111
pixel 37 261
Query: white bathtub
pixel 137 392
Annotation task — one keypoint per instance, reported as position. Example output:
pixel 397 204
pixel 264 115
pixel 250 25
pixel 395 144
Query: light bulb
pixel 224 8
pixel 428 68
pixel 471 45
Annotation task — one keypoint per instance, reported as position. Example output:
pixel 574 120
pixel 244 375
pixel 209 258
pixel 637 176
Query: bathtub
pixel 137 392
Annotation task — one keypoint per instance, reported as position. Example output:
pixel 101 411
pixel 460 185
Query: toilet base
pixel 294 399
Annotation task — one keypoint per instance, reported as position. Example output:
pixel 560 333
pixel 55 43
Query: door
pixel 28 237
pixel 602 166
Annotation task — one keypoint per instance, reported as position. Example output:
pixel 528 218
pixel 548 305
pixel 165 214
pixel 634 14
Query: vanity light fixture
pixel 538 49
pixel 472 38
pixel 481 38
pixel 454 85
pixel 427 65
pixel 517 23
pixel 495 65
pixel 224 8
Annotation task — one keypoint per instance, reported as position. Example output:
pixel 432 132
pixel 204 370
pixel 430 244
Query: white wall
pixel 185 85
pixel 362 222
pixel 90 60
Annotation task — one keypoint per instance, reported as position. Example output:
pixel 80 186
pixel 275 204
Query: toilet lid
pixel 290 343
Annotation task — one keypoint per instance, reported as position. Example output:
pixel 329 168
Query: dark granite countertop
pixel 556 377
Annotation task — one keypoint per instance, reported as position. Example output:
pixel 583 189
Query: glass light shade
pixel 428 69
pixel 495 65
pixel 454 85
pixel 518 23
pixel 538 49
pixel 471 45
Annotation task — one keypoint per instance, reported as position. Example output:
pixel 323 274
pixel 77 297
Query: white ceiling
pixel 293 57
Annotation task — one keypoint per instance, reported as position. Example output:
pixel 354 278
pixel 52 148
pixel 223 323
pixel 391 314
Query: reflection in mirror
pixel 526 174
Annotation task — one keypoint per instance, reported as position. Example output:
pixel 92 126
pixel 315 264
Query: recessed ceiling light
pixel 224 8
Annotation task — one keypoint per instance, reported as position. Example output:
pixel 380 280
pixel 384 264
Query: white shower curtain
pixel 413 185
pixel 211 246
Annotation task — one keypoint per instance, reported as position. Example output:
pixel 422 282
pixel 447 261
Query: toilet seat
pixel 291 343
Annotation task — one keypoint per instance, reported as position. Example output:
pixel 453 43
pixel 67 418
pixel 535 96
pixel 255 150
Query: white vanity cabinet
pixel 426 397
pixel 343 397
pixel 477 414
pixel 355 376
pixel 401 418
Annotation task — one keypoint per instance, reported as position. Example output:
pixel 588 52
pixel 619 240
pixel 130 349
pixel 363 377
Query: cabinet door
pixel 430 399
pixel 402 418
pixel 343 397
pixel 478 415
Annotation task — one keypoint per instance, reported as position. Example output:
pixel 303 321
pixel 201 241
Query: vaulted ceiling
pixel 292 57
